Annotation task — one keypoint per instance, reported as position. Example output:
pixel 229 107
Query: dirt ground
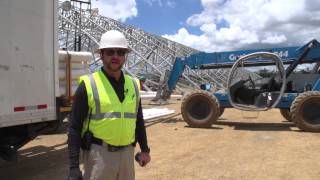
pixel 241 145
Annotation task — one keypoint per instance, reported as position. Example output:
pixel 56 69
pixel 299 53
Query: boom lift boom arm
pixel 217 60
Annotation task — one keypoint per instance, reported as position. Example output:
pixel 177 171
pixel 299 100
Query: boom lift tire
pixel 305 111
pixel 221 111
pixel 286 114
pixel 200 109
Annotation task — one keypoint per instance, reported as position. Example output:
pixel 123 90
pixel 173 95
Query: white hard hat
pixel 113 39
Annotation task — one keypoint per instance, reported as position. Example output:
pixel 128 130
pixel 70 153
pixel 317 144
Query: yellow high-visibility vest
pixel 112 121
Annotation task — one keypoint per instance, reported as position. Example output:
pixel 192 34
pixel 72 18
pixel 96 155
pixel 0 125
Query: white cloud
pixel 150 2
pixel 171 4
pixel 274 39
pixel 162 3
pixel 238 24
pixel 184 37
pixel 119 10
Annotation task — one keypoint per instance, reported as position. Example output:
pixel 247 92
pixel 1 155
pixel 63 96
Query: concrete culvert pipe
pixel 200 109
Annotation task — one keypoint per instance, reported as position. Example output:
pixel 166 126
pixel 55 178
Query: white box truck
pixel 31 101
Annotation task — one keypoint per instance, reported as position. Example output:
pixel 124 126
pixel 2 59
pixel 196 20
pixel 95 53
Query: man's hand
pixel 144 158
pixel 75 174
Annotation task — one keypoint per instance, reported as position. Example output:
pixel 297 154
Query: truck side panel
pixel 27 62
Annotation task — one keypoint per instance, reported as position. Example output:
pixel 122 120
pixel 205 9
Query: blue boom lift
pixel 295 94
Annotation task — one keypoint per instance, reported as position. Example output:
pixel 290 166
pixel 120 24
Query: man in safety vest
pixel 106 119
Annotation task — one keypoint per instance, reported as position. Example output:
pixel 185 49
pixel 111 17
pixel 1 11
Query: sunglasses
pixel 111 52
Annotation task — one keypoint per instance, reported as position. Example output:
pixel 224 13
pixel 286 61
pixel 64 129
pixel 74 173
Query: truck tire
pixel 286 114
pixel 305 111
pixel 200 109
pixel 221 111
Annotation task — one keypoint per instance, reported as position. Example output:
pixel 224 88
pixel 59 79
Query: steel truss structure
pixel 80 28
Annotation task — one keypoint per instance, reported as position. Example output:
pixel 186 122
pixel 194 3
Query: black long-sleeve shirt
pixel 80 112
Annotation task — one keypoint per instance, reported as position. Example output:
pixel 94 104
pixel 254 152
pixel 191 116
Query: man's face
pixel 113 58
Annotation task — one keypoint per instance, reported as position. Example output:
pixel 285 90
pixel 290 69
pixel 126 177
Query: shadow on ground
pixel 257 126
pixel 37 163
pixel 166 119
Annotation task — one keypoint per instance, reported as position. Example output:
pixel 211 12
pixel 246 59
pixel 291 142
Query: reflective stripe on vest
pixel 98 115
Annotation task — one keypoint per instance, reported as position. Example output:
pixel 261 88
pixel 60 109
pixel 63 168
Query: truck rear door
pixel 27 62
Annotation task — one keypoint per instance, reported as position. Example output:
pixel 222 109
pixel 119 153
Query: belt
pixel 110 147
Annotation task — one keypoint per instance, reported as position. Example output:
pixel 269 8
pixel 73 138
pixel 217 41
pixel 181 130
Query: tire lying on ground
pixel 305 111
pixel 286 114
pixel 200 109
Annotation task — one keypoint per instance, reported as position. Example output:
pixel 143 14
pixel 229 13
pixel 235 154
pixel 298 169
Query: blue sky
pixel 221 25
pixel 165 18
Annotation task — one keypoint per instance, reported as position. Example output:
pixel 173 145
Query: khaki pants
pixel 100 164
